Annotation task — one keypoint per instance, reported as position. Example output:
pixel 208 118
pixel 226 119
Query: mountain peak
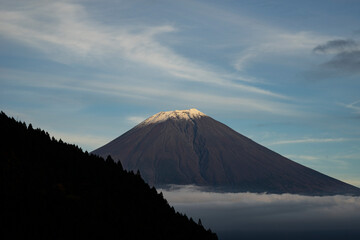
pixel 188 147
pixel 188 114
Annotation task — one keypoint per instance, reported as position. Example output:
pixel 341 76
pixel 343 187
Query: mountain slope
pixel 53 190
pixel 188 147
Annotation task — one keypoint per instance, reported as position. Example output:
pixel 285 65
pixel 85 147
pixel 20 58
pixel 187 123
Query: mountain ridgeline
pixel 53 190
pixel 189 147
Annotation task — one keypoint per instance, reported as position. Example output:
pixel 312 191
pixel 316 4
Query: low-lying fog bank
pixel 269 216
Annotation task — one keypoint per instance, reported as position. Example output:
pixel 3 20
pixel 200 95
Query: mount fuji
pixel 189 147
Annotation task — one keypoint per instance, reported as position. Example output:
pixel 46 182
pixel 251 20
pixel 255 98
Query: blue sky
pixel 284 73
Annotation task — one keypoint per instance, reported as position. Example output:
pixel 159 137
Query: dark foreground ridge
pixel 53 190
pixel 189 147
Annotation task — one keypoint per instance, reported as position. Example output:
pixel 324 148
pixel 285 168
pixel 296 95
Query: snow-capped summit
pixel 176 115
pixel 189 147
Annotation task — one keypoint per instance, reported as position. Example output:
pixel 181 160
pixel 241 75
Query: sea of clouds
pixel 233 215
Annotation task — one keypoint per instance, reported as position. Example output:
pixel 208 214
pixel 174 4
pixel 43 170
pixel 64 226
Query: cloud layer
pixel 243 212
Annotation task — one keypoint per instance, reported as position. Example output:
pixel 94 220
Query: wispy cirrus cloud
pixel 338 161
pixel 257 40
pixel 312 140
pixel 354 106
pixel 65 32
pixel 109 86
pixel 278 42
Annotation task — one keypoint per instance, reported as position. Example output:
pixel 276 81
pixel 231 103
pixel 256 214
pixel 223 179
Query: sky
pixel 283 73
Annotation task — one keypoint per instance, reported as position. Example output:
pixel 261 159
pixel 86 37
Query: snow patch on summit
pixel 175 115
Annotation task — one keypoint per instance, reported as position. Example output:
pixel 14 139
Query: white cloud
pixel 263 41
pixel 65 32
pixel 191 194
pixel 312 140
pixel 244 58
pixel 322 158
pixel 236 212
pixel 275 42
pixel 109 86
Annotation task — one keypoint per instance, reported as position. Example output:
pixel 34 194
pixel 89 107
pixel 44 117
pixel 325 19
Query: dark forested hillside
pixel 53 190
